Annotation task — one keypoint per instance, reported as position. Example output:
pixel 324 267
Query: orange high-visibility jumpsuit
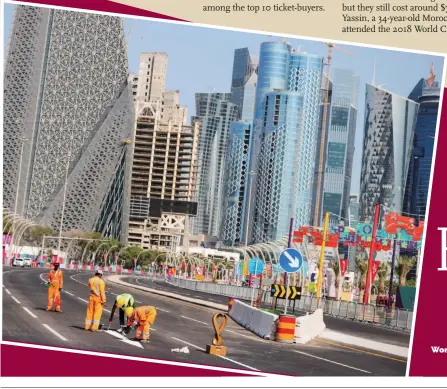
pixel 56 279
pixel 95 302
pixel 144 317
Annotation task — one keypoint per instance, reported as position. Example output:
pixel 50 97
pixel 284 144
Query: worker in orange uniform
pixel 55 285
pixel 143 318
pixel 96 302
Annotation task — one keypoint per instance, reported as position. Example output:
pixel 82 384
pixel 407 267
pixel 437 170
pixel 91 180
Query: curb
pixel 115 279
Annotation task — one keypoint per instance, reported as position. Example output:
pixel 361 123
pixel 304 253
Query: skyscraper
pixel 243 83
pixel 66 93
pixel 289 120
pixel 339 152
pixel 163 165
pixel 237 175
pixel 426 93
pixel 215 112
pixel 237 167
pixel 390 122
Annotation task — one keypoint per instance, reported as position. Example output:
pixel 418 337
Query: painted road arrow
pixel 124 339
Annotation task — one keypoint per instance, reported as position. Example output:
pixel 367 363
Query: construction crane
pixel 331 47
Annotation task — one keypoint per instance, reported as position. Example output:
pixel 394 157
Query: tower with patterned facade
pixel 215 112
pixel 390 121
pixel 243 90
pixel 285 137
pixel 66 93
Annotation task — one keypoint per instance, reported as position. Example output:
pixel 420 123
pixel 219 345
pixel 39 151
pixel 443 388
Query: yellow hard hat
pixel 128 311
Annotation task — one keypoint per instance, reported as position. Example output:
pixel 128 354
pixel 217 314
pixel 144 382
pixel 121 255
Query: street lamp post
pixel 64 199
pixel 17 189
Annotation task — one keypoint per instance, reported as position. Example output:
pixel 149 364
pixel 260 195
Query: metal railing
pixel 395 318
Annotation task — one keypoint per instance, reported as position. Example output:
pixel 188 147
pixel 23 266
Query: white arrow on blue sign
pixel 255 266
pixel 291 260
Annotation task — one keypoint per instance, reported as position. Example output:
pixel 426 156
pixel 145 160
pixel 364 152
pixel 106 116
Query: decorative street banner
pixel 343 266
pixel 7 239
pixel 375 269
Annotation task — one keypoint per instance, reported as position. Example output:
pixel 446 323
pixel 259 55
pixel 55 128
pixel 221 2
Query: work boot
pixel 120 330
pixel 145 341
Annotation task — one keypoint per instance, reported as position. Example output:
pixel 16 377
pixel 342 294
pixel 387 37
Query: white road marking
pixel 54 332
pixel 7 291
pixel 79 282
pixel 163 310
pixel 198 321
pixel 124 339
pixel 71 294
pixel 227 359
pixel 41 274
pixel 247 336
pixel 335 363
pixel 114 293
pixel 85 301
pixel 139 302
pixel 17 301
pixel 32 314
pixel 214 300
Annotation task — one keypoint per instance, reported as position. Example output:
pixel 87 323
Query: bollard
pixel 285 329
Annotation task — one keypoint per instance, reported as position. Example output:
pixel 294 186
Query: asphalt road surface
pixel 363 330
pixel 178 324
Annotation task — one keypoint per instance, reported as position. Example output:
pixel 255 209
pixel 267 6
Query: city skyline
pixel 182 41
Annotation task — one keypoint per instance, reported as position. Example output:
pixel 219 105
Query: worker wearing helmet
pixel 125 303
pixel 142 318
pixel 55 284
pixel 96 302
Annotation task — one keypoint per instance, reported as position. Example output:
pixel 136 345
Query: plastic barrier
pixel 309 327
pixel 285 330
pixel 230 303
pixel 259 322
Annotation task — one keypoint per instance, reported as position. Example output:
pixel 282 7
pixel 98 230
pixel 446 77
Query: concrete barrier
pixel 309 327
pixel 259 322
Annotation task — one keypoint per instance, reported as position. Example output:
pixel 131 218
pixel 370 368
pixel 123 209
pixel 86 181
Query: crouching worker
pixel 126 304
pixel 142 318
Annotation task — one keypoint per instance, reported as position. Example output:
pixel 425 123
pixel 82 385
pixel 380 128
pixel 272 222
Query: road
pixel 178 324
pixel 365 330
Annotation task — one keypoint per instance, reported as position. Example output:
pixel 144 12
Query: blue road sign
pixel 255 266
pixel 291 260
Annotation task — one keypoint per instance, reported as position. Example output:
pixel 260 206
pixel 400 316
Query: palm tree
pixel 361 265
pixel 382 273
pixel 404 265
pixel 336 269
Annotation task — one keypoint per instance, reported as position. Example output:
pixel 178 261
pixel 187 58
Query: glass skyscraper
pixel 237 167
pixel 426 93
pixel 339 152
pixel 286 127
pixel 243 83
pixel 215 112
pixel 390 122
pixel 236 178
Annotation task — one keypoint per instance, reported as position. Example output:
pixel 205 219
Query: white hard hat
pixel 99 272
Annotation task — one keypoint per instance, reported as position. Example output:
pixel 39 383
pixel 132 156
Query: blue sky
pixel 201 60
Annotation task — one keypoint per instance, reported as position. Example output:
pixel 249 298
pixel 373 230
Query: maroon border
pixel 431 312
pixel 104 6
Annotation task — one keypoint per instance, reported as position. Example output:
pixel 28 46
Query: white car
pixel 27 262
pixel 18 262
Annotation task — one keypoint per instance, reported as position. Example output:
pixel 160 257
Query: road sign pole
pixel 287 295
pixel 323 246
pixel 253 286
